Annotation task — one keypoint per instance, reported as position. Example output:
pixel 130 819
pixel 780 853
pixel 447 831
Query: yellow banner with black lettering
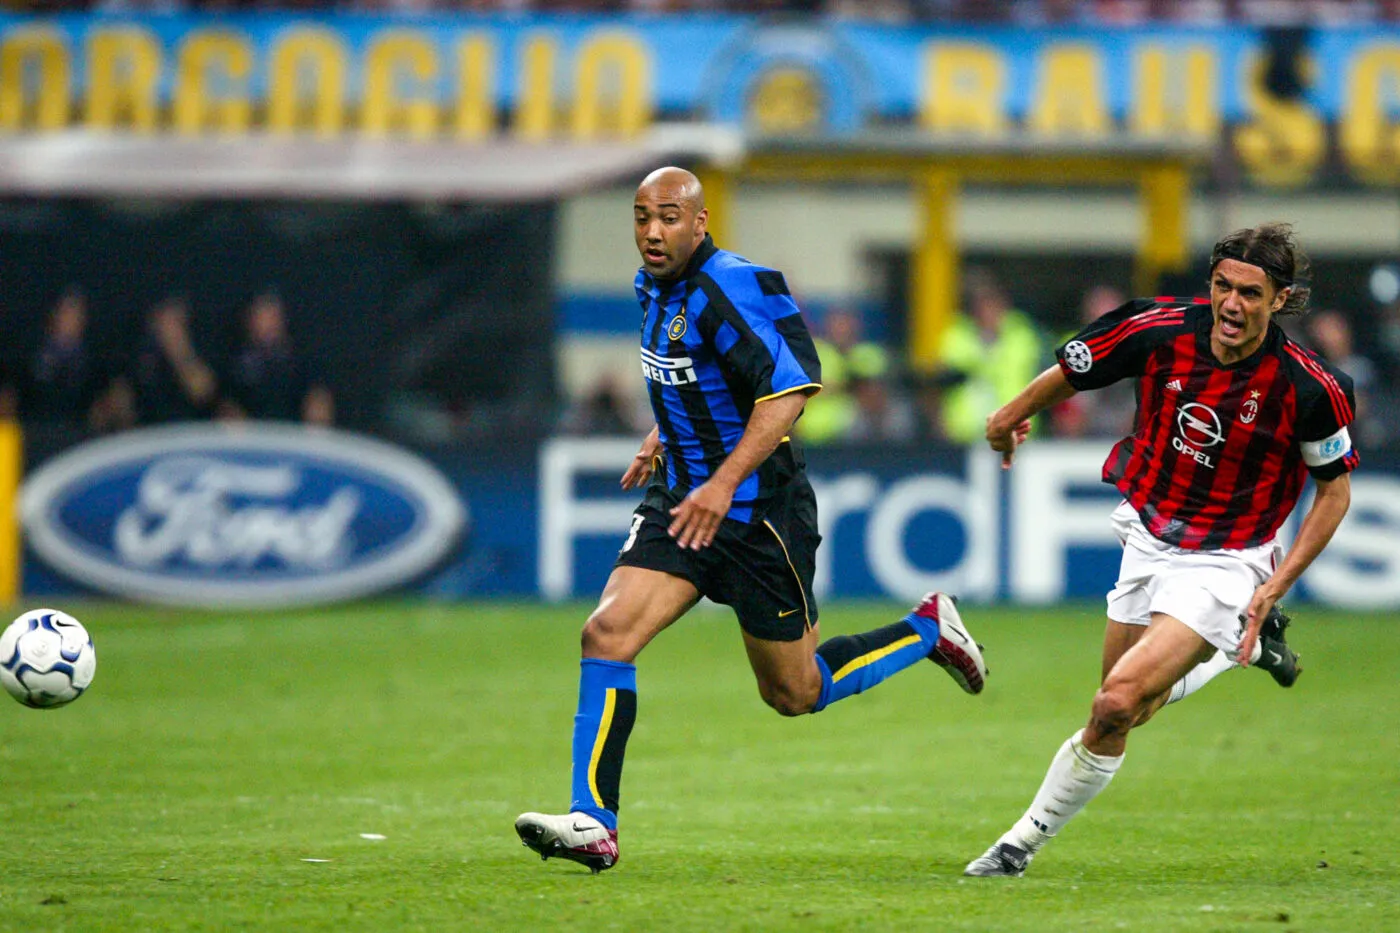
pixel 1290 109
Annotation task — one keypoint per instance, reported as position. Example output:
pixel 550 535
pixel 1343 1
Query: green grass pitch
pixel 218 755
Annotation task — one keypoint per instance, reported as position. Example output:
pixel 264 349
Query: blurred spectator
pixel 1329 333
pixel 66 380
pixel 139 6
pixel 880 414
pixel 268 379
pixel 1387 340
pixel 880 11
pixel 1108 412
pixel 604 410
pixel 168 380
pixel 927 398
pixel 988 354
pixel 829 414
pixel 1026 12
pixel 1137 12
pixel 43 6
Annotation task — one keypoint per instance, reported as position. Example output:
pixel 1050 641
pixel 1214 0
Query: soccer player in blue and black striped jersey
pixel 729 514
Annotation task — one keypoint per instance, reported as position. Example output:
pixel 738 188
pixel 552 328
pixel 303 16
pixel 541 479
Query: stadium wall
pixel 242 515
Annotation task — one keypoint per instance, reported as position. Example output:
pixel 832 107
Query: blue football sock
pixel 607 708
pixel 852 664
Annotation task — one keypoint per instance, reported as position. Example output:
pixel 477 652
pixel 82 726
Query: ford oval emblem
pixel 249 515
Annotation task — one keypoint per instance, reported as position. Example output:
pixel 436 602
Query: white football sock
pixel 1075 777
pixel 1200 675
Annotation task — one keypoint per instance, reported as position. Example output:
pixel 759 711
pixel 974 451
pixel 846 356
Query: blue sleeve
pixel 756 328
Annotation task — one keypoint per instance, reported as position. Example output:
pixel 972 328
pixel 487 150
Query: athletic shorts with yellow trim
pixel 762 569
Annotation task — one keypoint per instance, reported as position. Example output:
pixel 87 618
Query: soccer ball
pixel 46 659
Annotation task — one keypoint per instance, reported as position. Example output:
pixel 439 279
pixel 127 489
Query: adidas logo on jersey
pixel 666 370
pixel 1174 385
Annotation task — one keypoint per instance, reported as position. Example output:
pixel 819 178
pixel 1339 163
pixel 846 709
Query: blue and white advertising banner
pixel 249 515
pixel 575 76
pixel 281 516
pixel 898 522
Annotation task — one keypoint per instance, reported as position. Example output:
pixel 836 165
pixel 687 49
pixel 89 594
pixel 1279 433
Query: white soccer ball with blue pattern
pixel 46 659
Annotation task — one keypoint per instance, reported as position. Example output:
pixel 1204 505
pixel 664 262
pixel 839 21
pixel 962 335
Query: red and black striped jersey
pixel 1219 452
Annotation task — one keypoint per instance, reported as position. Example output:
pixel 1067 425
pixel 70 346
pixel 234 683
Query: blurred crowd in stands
pixel 991 350
pixel 67 380
pixel 1022 12
pixel 988 355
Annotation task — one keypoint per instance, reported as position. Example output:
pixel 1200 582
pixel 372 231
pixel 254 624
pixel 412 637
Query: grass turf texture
pixel 215 753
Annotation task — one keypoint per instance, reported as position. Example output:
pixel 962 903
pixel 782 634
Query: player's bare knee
pixel 788 699
pixel 607 637
pixel 788 705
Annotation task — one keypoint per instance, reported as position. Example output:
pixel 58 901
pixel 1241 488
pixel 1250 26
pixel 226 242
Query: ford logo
pixel 257 515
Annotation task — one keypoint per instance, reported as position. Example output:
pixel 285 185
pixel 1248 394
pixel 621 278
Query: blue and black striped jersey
pixel 717 340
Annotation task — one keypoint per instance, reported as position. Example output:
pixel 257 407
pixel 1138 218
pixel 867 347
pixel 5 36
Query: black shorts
pixel 762 569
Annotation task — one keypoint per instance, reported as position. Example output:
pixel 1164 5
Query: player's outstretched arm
pixel 1328 509
pixel 639 470
pixel 1010 424
pixel 697 518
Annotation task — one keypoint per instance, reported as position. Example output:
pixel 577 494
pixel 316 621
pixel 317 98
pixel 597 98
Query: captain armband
pixel 1330 448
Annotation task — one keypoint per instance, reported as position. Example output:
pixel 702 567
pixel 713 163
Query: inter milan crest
pixel 676 329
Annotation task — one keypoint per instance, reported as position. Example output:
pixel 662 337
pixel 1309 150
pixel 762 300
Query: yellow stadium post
pixel 937 168
pixel 11 465
pixel 716 183
pixel 933 287
pixel 1165 245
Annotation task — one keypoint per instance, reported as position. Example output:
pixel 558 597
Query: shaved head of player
pixel 668 220
pixel 728 514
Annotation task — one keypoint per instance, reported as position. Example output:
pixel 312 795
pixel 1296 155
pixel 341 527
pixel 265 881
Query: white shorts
pixel 1206 590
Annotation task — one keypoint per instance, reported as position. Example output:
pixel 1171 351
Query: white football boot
pixel 577 837
pixel 956 652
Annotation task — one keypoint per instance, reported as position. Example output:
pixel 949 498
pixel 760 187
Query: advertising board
pixel 279 516
pixel 896 522
pixel 247 515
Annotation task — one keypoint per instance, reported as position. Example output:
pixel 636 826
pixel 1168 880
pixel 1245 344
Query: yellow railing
pixel 937 169
pixel 11 466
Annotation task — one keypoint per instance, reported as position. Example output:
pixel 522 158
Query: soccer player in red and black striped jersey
pixel 1232 418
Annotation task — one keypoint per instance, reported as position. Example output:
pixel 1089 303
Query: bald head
pixel 674 184
pixel 668 220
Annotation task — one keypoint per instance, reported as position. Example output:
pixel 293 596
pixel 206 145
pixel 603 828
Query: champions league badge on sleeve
pixel 1078 356
pixel 250 515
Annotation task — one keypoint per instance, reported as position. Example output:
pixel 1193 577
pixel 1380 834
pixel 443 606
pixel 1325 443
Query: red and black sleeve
pixel 1117 345
pixel 1326 407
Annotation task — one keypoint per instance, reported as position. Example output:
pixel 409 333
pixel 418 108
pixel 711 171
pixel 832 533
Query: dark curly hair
pixel 1272 248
